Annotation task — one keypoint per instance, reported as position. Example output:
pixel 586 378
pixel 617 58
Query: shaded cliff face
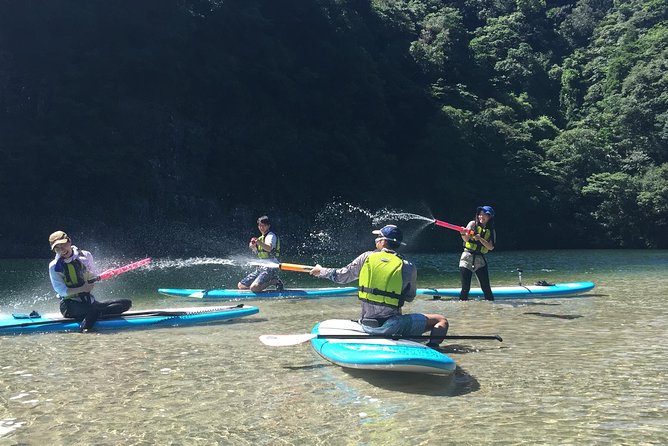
pixel 164 118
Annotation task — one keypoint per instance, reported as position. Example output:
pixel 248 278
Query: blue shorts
pixel 262 275
pixel 406 324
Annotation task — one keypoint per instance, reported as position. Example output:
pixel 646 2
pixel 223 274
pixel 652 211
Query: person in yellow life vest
pixel 71 272
pixel 386 282
pixel 479 239
pixel 267 247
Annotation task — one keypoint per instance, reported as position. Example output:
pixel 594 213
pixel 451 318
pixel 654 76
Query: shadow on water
pixel 457 384
pixel 555 316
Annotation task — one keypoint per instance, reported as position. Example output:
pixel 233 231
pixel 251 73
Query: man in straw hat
pixel 71 272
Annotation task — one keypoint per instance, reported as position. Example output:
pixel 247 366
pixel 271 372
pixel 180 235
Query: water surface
pixel 570 371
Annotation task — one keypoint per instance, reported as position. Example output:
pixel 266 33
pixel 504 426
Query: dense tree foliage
pixel 145 122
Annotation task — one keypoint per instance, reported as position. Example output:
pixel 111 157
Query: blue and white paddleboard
pixel 247 294
pixel 377 354
pixel 568 289
pixel 172 317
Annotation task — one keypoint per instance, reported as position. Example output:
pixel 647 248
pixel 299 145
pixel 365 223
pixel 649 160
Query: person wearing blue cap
pixel 386 282
pixel 479 239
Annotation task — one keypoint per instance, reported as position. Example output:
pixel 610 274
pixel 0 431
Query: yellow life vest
pixel 474 245
pixel 262 254
pixel 380 279
pixel 75 275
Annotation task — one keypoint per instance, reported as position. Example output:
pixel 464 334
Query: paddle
pixel 286 340
pixel 445 224
pixel 120 270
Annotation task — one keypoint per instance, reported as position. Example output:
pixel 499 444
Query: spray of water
pixel 263 263
pixel 391 215
pixel 341 227
pixel 186 263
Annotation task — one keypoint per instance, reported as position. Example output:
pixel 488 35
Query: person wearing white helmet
pixel 386 282
pixel 479 238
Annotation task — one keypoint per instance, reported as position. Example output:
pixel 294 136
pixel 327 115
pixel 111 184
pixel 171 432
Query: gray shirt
pixel 372 310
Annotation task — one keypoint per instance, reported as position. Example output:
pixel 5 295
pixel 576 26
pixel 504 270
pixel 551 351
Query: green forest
pixel 168 126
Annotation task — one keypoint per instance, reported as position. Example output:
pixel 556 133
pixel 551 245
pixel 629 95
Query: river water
pixel 589 370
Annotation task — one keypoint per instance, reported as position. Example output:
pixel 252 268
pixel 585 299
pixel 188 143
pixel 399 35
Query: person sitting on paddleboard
pixel 386 282
pixel 476 245
pixel 70 272
pixel 267 247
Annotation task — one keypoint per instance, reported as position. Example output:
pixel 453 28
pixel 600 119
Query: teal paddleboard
pixel 142 319
pixel 557 290
pixel 400 355
pixel 247 294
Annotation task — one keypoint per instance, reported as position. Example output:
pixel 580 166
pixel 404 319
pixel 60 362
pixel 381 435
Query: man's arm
pixel 347 274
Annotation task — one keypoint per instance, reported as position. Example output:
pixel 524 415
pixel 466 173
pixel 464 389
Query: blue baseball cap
pixel 489 210
pixel 391 233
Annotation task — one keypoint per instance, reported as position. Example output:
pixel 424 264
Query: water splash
pixel 186 263
pixel 390 214
pixel 343 227
pixel 263 263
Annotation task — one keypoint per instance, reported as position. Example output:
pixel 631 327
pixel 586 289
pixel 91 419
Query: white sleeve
pixel 270 239
pixel 89 263
pixel 57 281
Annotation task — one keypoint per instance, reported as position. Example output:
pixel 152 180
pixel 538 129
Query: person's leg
pixel 415 324
pixel 113 307
pixel 266 278
pixel 73 309
pixel 466 275
pixel 483 278
pixel 247 281
pixel 80 309
pixel 439 327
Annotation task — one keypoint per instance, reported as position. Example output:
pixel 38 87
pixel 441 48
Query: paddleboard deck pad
pixel 141 319
pixel 247 294
pixel 557 290
pixel 377 354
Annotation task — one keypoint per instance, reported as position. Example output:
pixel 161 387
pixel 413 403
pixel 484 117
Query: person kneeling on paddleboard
pixel 72 273
pixel 386 282
pixel 267 247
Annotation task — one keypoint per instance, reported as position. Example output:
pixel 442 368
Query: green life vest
pixel 262 254
pixel 74 273
pixel 476 246
pixel 380 279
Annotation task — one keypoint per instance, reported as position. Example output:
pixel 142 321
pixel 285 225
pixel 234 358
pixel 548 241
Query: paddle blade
pixel 295 267
pixel 123 269
pixel 286 340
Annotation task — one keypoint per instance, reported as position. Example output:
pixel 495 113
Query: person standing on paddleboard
pixel 267 247
pixel 386 282
pixel 479 239
pixel 72 273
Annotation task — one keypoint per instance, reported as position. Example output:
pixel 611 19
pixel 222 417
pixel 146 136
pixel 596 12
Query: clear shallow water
pixel 570 371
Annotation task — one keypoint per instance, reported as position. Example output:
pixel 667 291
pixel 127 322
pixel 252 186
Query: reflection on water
pixel 585 370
